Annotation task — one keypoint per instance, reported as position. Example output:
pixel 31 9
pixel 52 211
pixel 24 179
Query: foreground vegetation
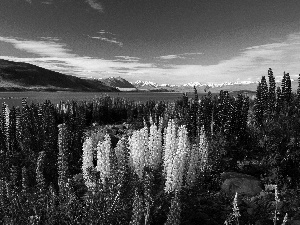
pixel 115 161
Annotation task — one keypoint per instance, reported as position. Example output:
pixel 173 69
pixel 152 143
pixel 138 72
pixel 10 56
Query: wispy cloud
pixel 44 48
pixel 56 56
pixel 95 5
pixel 249 64
pixel 28 1
pixel 113 41
pixel 168 57
pixel 179 56
pixel 107 37
pixel 127 58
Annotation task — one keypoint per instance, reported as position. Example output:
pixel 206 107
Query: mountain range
pixel 18 76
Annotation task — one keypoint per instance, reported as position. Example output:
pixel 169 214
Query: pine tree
pixel 272 92
pixel 264 94
pixel 286 88
pixel 279 100
pixel 261 100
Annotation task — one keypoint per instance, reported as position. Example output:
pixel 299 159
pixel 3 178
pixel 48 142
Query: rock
pixel 241 183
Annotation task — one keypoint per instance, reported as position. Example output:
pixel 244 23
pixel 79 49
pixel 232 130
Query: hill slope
pixel 17 76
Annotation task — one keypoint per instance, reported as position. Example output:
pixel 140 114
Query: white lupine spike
pixel 120 152
pixel 203 146
pixel 145 149
pixel 197 160
pixel 144 139
pixel 151 120
pixel 103 162
pixel 155 146
pixel 170 144
pixel 137 153
pixel 175 167
pixel 87 162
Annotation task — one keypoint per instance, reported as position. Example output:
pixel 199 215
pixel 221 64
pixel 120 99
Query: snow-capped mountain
pixel 145 84
pixel 140 83
pixel 238 85
pixel 117 82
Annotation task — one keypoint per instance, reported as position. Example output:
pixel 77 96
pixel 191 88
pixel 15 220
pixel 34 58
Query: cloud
pixel 53 55
pixel 178 56
pixel 248 65
pixel 29 1
pixel 94 4
pixel 168 57
pixel 113 41
pixel 107 37
pixel 127 59
pixel 45 48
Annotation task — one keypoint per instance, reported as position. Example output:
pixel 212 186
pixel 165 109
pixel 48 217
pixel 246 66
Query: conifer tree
pixel 261 101
pixel 193 116
pixel 279 100
pixel 286 88
pixel 272 91
pixel 264 93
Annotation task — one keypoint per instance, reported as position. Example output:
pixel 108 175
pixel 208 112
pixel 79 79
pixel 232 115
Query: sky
pixel 163 41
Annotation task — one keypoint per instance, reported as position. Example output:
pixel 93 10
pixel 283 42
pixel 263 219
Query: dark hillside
pixel 17 76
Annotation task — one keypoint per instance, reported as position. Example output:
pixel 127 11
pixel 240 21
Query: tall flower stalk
pixel 176 166
pixel 103 159
pixel 87 162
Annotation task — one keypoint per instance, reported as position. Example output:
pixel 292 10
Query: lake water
pixel 15 98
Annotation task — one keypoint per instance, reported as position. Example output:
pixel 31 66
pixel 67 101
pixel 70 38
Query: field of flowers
pixel 110 160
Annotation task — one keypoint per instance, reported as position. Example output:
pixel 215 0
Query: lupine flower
pixel 138 151
pixel 120 151
pixel 170 144
pixel 236 212
pixel 203 145
pixel 175 169
pixel 87 162
pixel 62 160
pixel 103 159
pixel 285 219
pixel 155 147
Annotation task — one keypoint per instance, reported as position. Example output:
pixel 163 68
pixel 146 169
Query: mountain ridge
pixel 20 76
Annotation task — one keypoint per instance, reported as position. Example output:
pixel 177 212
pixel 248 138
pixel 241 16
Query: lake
pixel 15 98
